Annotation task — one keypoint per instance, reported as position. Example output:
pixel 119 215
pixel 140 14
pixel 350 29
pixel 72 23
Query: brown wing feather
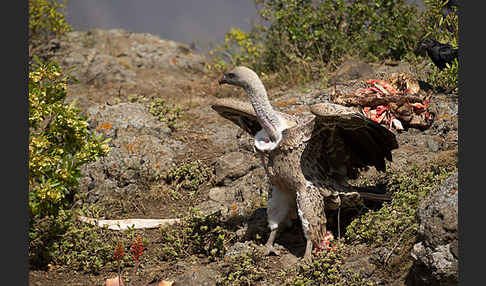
pixel 239 112
pixel 347 141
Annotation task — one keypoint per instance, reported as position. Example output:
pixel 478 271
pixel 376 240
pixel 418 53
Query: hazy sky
pixel 180 20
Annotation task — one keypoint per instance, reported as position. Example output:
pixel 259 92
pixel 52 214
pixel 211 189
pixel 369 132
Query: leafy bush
pixel 306 36
pixel 247 46
pixel 45 22
pixel 78 245
pixel 59 142
pixel 42 234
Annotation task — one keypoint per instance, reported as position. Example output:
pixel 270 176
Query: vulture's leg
pixel 310 205
pixel 279 206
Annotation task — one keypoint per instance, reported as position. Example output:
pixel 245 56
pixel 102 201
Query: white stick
pixel 124 224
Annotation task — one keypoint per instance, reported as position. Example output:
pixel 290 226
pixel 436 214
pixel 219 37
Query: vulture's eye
pixel 230 75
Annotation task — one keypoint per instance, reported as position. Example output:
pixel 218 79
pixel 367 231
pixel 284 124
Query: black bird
pixel 439 53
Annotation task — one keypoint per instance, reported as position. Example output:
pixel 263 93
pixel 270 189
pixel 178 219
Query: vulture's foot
pixel 271 249
pixel 269 245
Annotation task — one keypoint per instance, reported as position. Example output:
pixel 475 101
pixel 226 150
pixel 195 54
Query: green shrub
pixel 446 79
pixel 384 226
pixel 59 142
pixel 46 21
pixel 165 112
pixel 305 37
pixel 59 145
pixel 61 241
pixel 244 269
pixel 43 232
pixel 208 235
pixel 189 175
pixel 247 47
pixel 326 269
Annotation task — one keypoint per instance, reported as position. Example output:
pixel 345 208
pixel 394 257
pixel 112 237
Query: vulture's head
pixel 240 76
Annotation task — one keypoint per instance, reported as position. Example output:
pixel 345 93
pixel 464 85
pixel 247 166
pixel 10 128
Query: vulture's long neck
pixel 267 117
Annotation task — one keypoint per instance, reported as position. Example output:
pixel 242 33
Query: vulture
pixel 307 158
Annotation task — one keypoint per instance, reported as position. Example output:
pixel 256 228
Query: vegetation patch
pixel 45 19
pixel 384 226
pixel 63 242
pixel 45 23
pixel 166 113
pixel 59 144
pixel 302 41
pixel 325 269
pixel 209 235
pixel 247 268
pixel 189 176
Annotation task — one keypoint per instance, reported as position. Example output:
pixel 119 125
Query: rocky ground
pixel 120 75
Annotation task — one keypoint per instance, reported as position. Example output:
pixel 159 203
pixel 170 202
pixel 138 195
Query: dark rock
pixel 232 166
pixel 436 252
pixel 360 264
pixel 229 137
pixel 256 224
pixel 351 70
pixel 237 198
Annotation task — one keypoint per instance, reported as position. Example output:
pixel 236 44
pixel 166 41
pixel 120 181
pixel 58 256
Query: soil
pixel 194 89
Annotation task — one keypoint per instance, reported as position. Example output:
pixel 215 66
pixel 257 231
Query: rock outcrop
pixel 142 150
pixel 436 253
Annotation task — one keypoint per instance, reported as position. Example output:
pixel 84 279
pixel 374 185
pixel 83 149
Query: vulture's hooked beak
pixel 223 79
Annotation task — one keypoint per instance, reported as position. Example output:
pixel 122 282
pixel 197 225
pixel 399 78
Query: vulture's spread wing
pixel 240 113
pixel 346 141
